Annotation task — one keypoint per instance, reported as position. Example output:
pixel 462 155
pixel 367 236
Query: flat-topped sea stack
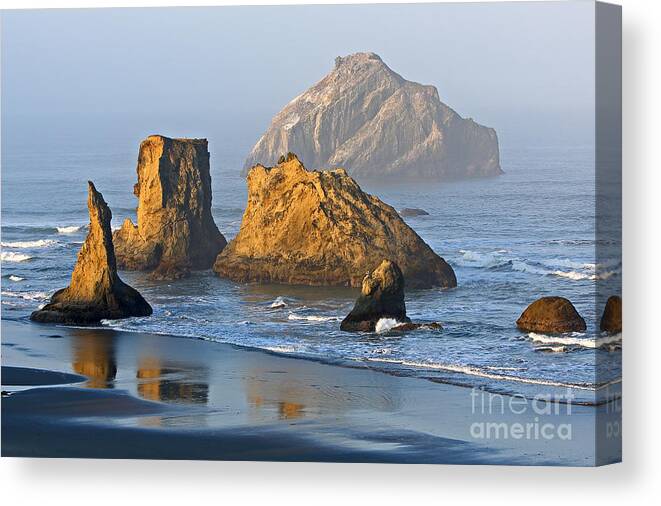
pixel 175 231
pixel 96 292
pixel 551 315
pixel 319 228
pixel 370 120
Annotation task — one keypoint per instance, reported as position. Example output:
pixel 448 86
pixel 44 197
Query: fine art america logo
pixel 518 417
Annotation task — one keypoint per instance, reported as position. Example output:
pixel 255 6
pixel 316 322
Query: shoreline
pixel 385 366
pixel 210 400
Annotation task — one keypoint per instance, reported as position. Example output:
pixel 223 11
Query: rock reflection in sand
pixel 284 398
pixel 94 357
pixel 171 382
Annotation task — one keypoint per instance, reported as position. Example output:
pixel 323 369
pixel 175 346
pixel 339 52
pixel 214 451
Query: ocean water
pixel 511 240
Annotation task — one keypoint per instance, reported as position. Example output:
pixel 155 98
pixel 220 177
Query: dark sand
pixel 162 397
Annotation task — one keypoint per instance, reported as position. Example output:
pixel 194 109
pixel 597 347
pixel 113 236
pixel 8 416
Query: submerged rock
pixel 551 314
pixel 370 120
pixel 381 296
pixel 611 320
pixel 413 211
pixel 175 231
pixel 319 228
pixel 405 327
pixel 95 291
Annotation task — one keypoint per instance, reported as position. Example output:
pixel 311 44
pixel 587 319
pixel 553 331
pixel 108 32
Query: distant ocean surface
pixel 510 240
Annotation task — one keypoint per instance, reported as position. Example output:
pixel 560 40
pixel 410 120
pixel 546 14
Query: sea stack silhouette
pixel 96 292
pixel 365 117
pixel 319 228
pixel 175 232
pixel 381 296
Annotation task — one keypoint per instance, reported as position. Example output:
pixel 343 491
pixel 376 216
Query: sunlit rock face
pixel 175 231
pixel 319 228
pixel 370 120
pixel 96 292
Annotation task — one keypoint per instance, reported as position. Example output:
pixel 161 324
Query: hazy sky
pixel 526 69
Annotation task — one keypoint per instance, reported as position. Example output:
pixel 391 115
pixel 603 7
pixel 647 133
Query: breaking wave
pixel 25 295
pixel 278 303
pixel 573 340
pixel 70 230
pixel 11 256
pixel 312 318
pixel 577 271
pixel 385 324
pixel 41 243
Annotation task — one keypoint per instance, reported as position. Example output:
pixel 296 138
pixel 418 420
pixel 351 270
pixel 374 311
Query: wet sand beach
pixel 109 394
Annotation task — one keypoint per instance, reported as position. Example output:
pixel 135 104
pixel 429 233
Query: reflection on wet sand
pixel 94 357
pixel 171 383
pixel 286 398
pixel 278 394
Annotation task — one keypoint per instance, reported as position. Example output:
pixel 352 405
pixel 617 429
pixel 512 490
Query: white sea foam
pixel 474 371
pixel 385 324
pixel 12 256
pixel 70 230
pixel 312 318
pixel 278 303
pixel 281 349
pixel 475 259
pixel 16 278
pixel 573 340
pixel 578 271
pixel 580 276
pixel 25 295
pixel 41 243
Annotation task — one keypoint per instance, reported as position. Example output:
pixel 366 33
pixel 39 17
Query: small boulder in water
pixel 611 320
pixel 382 296
pixel 96 292
pixel 551 314
pixel 412 211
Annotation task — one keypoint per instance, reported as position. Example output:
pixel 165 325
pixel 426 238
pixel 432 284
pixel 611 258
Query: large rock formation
pixel 319 228
pixel 551 314
pixel 381 296
pixel 368 119
pixel 95 292
pixel 611 319
pixel 175 231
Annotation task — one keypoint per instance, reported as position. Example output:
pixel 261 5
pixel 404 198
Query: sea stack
pixel 611 319
pixel 95 292
pixel 365 117
pixel 175 231
pixel 319 228
pixel 551 315
pixel 381 296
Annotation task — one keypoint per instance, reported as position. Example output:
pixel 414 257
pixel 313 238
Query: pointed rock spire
pixel 96 292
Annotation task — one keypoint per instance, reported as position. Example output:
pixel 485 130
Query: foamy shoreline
pixel 161 382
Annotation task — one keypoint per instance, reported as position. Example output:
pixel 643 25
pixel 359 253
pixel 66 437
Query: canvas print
pixel 342 233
